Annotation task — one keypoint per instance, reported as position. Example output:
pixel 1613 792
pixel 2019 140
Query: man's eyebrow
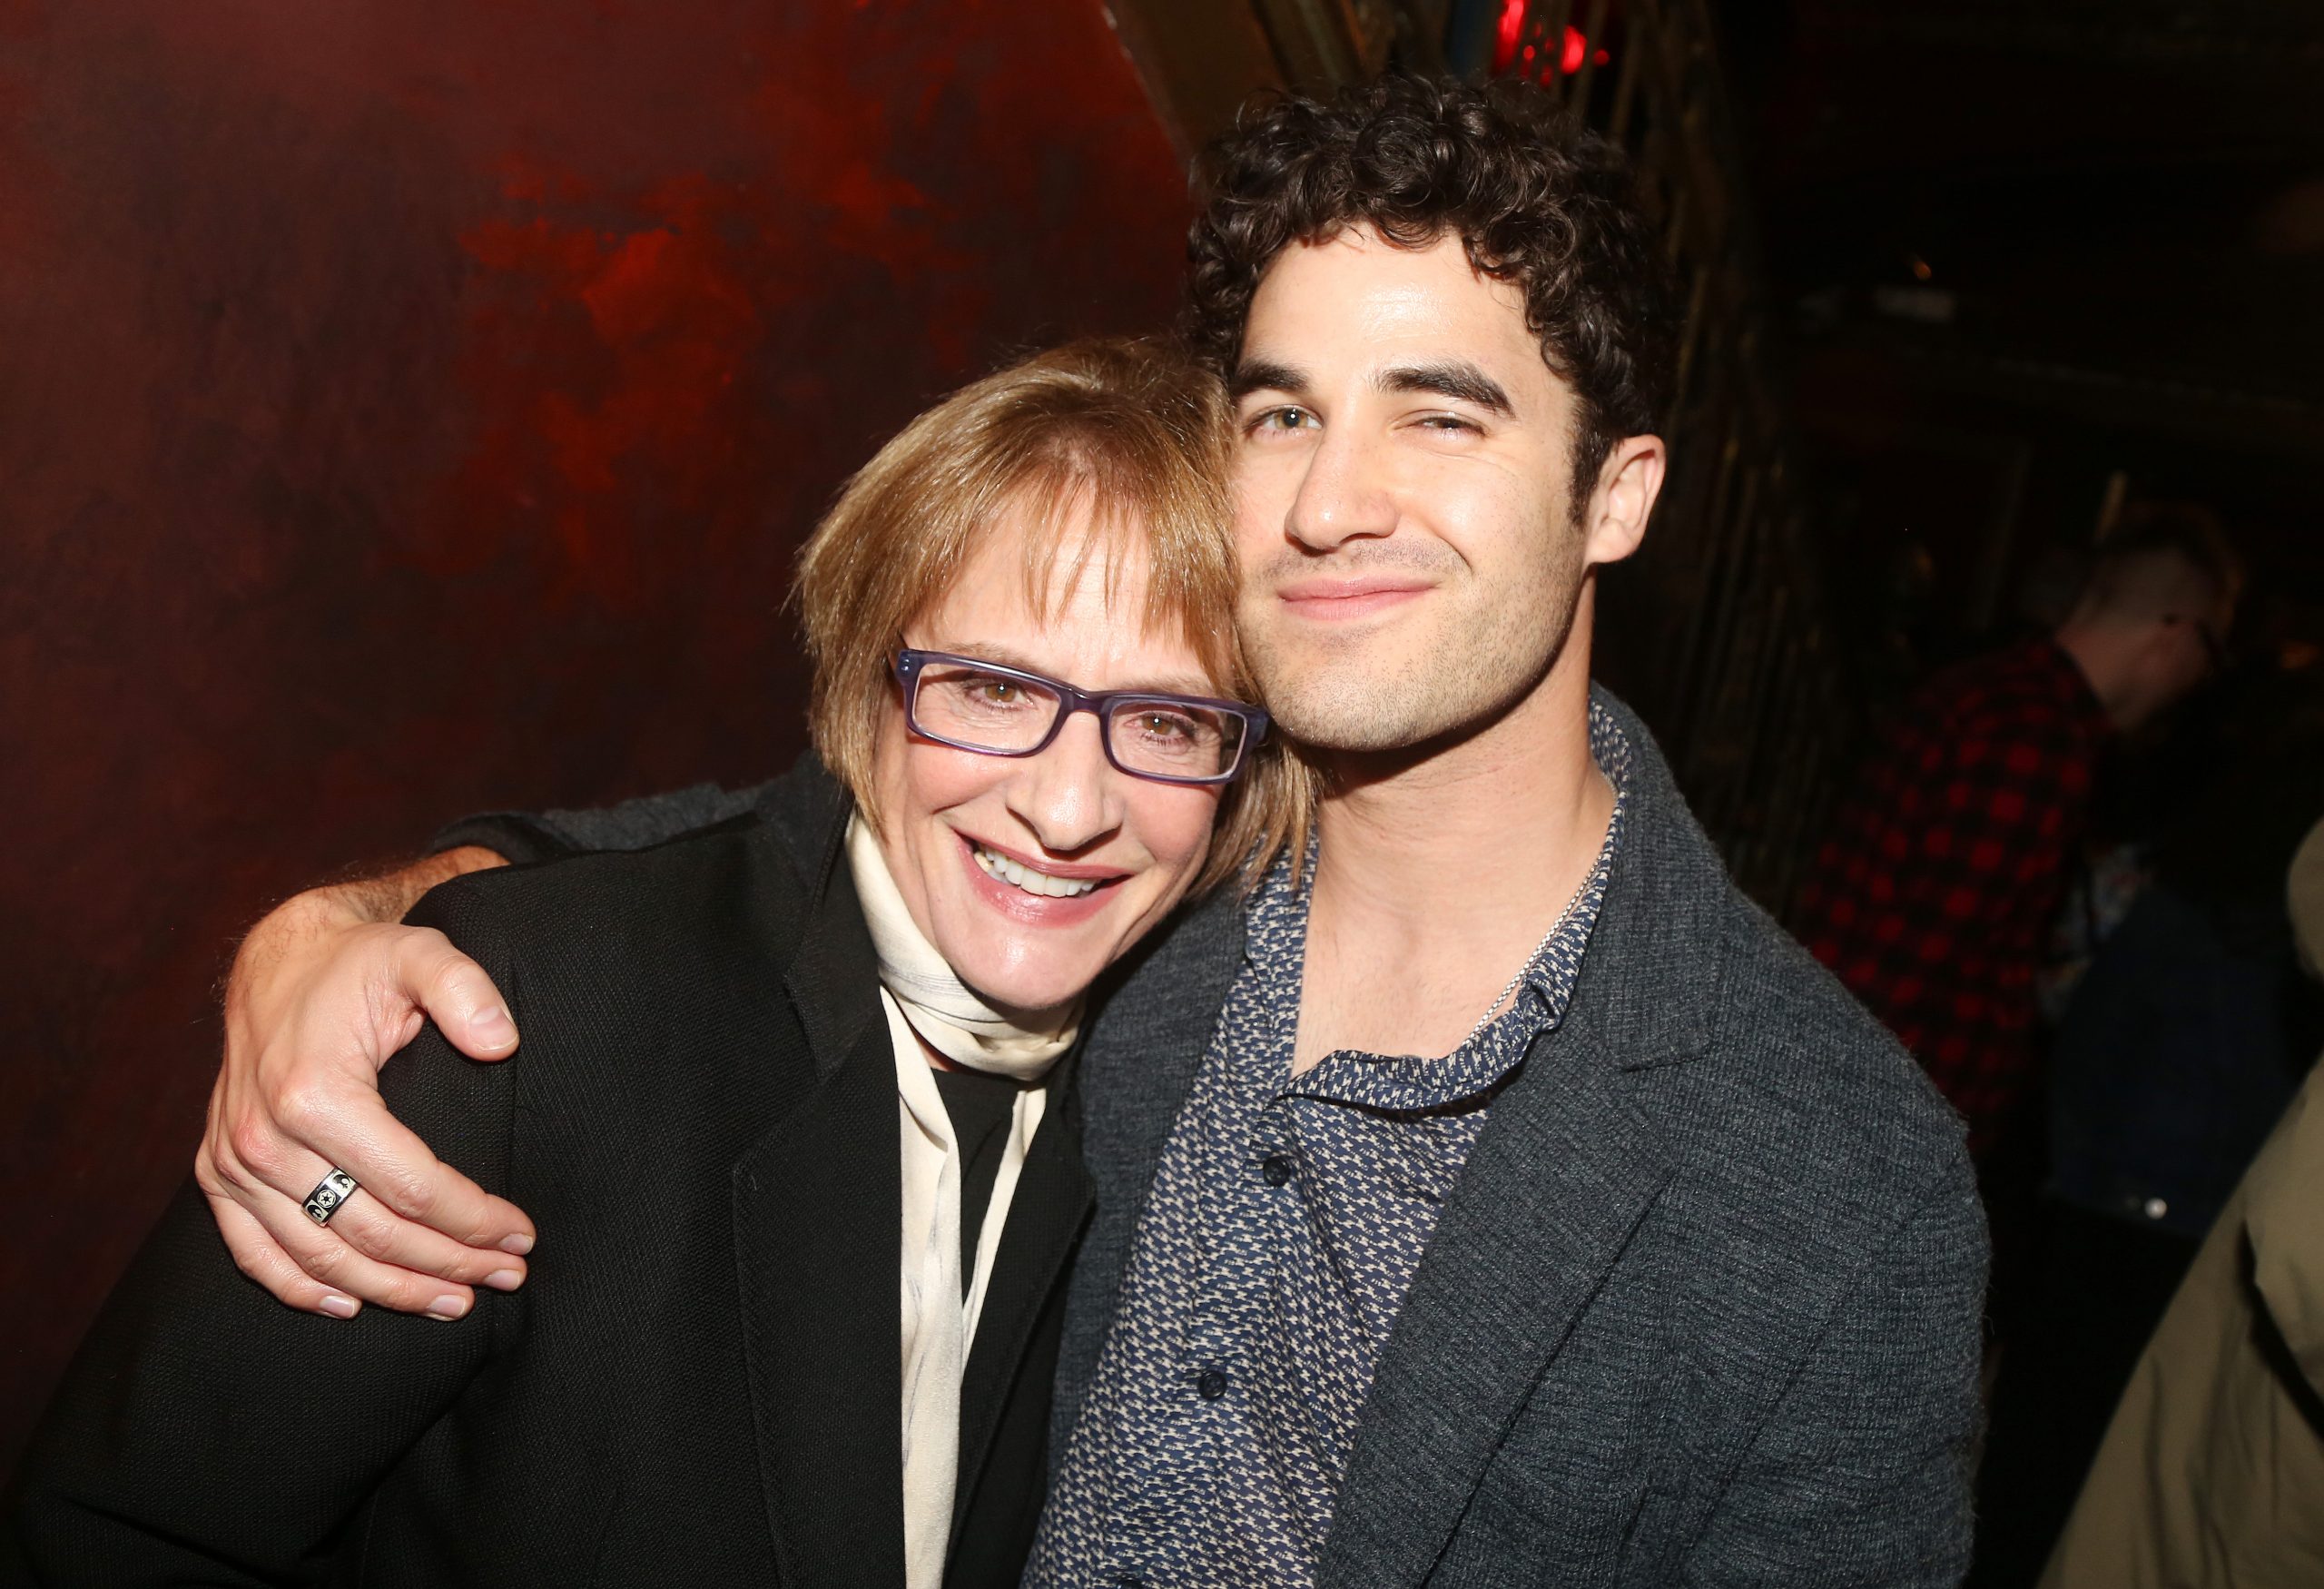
pixel 1264 375
pixel 1453 377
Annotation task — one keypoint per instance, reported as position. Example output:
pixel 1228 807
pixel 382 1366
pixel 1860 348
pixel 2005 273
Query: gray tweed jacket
pixel 1705 1306
pixel 1706 1309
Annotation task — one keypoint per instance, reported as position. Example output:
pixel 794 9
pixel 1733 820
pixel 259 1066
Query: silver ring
pixel 329 1195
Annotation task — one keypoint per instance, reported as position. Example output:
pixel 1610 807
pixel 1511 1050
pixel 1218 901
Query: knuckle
pixel 327 1262
pixel 424 951
pixel 256 1153
pixel 234 1184
pixel 370 1236
pixel 410 1293
pixel 280 1280
pixel 251 1264
pixel 447 969
pixel 412 1194
pixel 295 1290
pixel 302 1108
pixel 456 1268
pixel 364 1236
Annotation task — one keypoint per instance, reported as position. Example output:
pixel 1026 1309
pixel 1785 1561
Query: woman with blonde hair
pixel 795 1112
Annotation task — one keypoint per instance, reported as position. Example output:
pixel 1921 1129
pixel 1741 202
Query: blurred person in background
pixel 2211 1474
pixel 2173 1058
pixel 1933 897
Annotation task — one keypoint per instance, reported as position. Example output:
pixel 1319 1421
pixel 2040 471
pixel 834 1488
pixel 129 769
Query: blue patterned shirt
pixel 1287 1217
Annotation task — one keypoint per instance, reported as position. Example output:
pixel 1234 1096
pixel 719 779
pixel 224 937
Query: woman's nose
pixel 1069 795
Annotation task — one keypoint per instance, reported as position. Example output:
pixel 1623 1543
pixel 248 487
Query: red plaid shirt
pixel 1934 899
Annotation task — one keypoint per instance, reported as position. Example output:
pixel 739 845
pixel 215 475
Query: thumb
pixel 456 994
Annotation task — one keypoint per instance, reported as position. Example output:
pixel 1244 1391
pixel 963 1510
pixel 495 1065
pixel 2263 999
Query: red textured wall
pixel 410 406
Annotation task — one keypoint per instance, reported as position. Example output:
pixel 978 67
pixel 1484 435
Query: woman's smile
pixel 1040 894
pixel 1030 873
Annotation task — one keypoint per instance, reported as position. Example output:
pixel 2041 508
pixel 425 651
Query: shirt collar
pixel 1275 946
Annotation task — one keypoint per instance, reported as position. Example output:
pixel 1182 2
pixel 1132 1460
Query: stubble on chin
pixel 1341 698
pixel 1373 694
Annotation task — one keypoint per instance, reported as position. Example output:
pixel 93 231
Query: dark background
pixel 412 407
pixel 2111 214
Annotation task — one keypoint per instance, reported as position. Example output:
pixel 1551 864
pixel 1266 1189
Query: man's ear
pixel 1628 483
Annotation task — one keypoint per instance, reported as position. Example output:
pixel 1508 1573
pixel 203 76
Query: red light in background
pixel 1504 42
pixel 1573 49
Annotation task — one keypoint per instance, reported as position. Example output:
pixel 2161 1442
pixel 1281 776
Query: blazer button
pixel 1276 1168
pixel 1212 1385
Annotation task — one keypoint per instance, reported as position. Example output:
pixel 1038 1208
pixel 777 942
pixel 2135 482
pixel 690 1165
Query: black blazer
pixel 700 1382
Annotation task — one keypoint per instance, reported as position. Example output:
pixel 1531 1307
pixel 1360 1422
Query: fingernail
pixel 339 1307
pixel 504 1279
pixel 493 1025
pixel 520 1244
pixel 447 1308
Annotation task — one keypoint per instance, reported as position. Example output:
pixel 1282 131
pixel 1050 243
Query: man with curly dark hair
pixel 1491 1193
pixel 1665 1266
pixel 1546 210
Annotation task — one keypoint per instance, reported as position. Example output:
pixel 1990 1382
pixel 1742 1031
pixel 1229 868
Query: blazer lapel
pixel 818 1203
pixel 1572 1158
pixel 1558 1181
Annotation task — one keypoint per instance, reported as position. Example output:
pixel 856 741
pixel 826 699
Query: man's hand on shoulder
pixel 325 988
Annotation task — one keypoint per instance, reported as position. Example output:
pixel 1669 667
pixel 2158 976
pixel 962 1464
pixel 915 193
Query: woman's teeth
pixel 1031 881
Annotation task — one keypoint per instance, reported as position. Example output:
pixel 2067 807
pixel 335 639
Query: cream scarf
pixel 924 1000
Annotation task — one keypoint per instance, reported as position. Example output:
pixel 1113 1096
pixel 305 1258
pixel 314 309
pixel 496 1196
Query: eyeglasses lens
pixel 1171 739
pixel 983 711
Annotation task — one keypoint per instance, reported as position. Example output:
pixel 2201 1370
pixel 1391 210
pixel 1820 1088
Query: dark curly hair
pixel 1535 201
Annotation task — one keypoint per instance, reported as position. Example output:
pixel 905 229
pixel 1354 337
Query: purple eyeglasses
pixel 997 710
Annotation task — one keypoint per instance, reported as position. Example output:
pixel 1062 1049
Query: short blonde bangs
pixel 1130 430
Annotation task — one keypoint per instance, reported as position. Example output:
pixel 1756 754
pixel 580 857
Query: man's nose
pixel 1343 496
pixel 1069 795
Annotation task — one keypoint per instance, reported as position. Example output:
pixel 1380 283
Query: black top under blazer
pixel 699 1383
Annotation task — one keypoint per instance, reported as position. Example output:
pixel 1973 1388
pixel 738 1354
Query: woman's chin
pixel 1023 967
pixel 1017 976
pixel 1027 993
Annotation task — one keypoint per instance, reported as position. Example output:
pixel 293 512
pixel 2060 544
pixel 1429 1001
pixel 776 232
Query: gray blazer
pixel 1706 1307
